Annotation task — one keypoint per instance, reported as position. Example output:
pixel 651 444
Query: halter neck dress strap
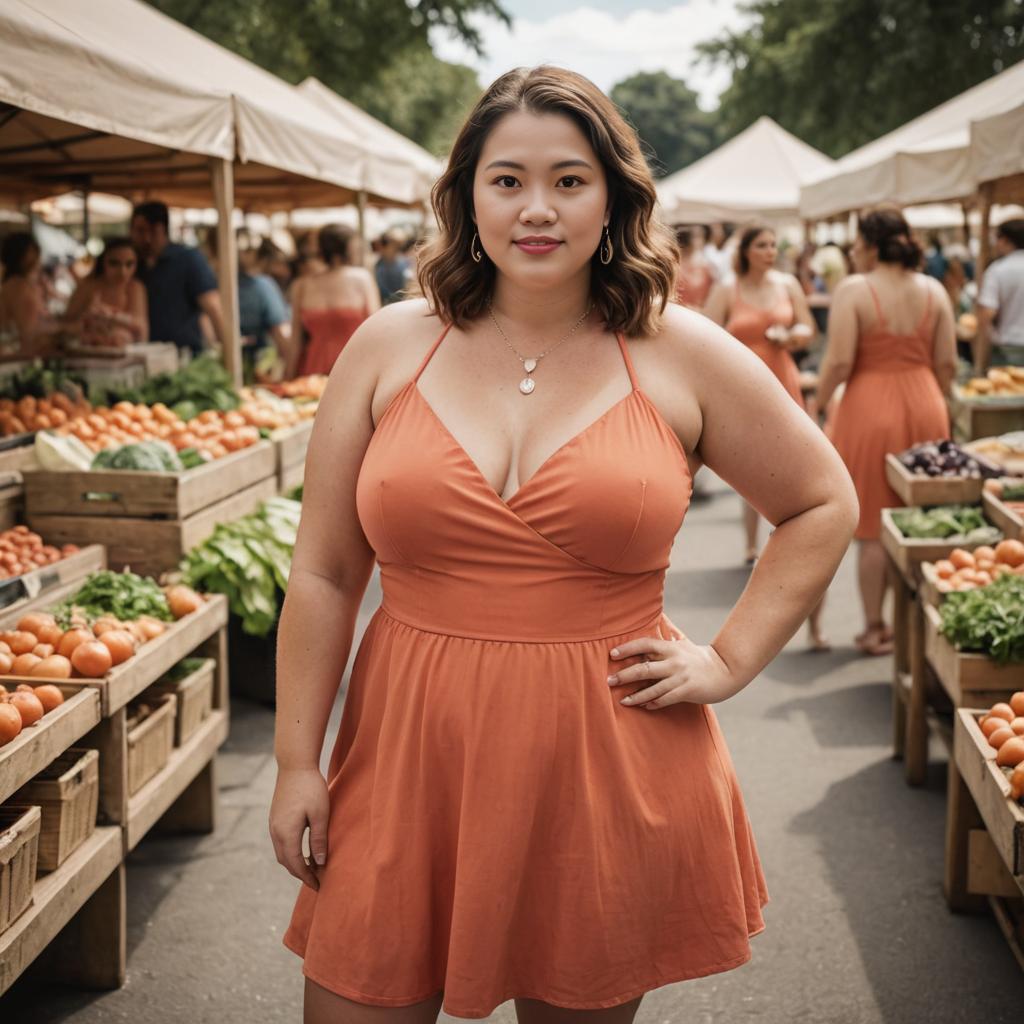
pixel 878 305
pixel 624 349
pixel 430 354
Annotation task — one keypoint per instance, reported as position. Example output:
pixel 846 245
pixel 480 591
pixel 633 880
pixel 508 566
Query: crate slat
pixel 915 489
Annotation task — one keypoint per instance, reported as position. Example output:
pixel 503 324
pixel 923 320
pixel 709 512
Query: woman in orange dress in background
pixel 694 278
pixel 892 339
pixel 328 306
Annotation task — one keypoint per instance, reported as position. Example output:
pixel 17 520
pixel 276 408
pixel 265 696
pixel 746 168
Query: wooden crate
pixel 152 546
pixel 974 418
pixel 19 849
pixel 37 746
pixel 997 512
pixel 19 592
pixel 20 458
pixel 12 500
pixel 151 661
pixel 907 553
pixel 913 489
pixel 68 793
pixel 134 494
pixel 150 743
pixel 968 679
pixel 194 693
pixel 291 445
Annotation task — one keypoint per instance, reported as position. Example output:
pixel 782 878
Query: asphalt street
pixel 858 932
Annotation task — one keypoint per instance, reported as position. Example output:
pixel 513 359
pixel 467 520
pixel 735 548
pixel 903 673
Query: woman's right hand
pixel 300 801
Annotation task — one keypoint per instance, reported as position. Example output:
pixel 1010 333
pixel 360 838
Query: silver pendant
pixel 529 365
pixel 526 385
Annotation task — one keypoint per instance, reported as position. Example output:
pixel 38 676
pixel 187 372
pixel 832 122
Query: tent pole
pixel 222 173
pixel 986 216
pixel 966 208
pixel 361 212
pixel 85 216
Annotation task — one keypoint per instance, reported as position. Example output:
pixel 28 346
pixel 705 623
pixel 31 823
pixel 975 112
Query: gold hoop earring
pixel 606 257
pixel 476 253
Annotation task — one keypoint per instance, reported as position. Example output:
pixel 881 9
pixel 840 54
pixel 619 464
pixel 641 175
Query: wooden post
pixel 986 216
pixel 361 211
pixel 966 208
pixel 227 251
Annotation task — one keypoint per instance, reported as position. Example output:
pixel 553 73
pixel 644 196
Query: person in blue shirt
pixel 264 317
pixel 179 282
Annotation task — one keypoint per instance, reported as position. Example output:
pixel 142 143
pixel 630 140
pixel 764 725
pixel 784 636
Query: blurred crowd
pixel 297 308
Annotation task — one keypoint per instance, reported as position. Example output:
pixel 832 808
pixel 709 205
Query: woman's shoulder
pixel 397 329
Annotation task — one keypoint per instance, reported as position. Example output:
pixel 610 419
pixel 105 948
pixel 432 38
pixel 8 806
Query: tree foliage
pixel 369 51
pixel 839 73
pixel 664 111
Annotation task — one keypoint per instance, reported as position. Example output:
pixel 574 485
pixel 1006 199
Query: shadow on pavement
pixel 854 716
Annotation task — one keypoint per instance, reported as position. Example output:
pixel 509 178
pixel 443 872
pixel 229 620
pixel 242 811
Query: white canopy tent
pixel 757 173
pixel 929 159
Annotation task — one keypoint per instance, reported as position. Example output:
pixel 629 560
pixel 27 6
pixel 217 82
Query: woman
pixel 328 306
pixel 528 796
pixel 23 316
pixel 893 341
pixel 110 307
pixel 693 274
pixel 766 310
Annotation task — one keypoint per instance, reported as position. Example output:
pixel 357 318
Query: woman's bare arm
pixel 79 303
pixel 717 306
pixel 841 351
pixel 293 350
pixel 944 347
pixel 804 327
pixel 138 308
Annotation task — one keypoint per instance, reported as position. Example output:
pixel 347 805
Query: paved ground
pixel 857 929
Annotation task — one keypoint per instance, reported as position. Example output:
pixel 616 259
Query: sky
pixel 606 40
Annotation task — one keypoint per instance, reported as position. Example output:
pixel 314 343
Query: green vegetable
pixel 203 384
pixel 946 521
pixel 192 457
pixel 295 493
pixel 988 620
pixel 121 594
pixel 1013 492
pixel 41 380
pixel 249 561
pixel 59 454
pixel 150 456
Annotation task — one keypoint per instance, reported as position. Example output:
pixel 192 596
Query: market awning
pixel 757 173
pixel 929 159
pixel 160 98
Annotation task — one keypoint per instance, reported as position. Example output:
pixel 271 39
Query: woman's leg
pixel 819 642
pixel 751 526
pixel 324 1007
pixel 533 1011
pixel 871 569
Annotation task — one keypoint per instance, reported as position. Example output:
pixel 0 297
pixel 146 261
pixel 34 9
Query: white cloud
pixel 605 47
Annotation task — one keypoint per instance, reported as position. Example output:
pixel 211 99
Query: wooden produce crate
pixel 18 458
pixel 18 593
pixel 969 679
pixel 67 791
pixel 997 512
pixel 19 849
pixel 142 495
pixel 984 833
pixel 291 445
pixel 973 418
pixel 150 743
pixel 907 553
pixel 38 745
pixel 12 500
pixel 194 693
pixel 930 490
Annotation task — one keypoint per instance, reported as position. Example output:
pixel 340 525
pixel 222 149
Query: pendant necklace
pixel 528 384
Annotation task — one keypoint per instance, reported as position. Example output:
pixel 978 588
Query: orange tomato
pixel 42 650
pixel 1017 702
pixel 10 723
pixel 1000 736
pixel 989 725
pixel 1010 552
pixel 944 568
pixel 961 559
pixel 1002 710
pixel 1017 725
pixel 22 642
pixel 74 637
pixel 91 659
pixel 24 663
pixel 120 643
pixel 1011 753
pixel 49 695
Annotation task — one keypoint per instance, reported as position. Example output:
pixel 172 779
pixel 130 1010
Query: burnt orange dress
pixel 693 285
pixel 892 401
pixel 501 826
pixel 329 331
pixel 748 323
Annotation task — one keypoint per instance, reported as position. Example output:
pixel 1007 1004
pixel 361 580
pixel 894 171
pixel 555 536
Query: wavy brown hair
pixel 741 261
pixel 631 292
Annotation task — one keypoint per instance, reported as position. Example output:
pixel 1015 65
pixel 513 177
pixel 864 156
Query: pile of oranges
pixel 966 570
pixel 25 706
pixel 1003 727
pixel 28 414
pixel 212 433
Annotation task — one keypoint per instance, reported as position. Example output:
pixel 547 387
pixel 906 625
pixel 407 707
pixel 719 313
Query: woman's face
pixel 119 265
pixel 762 251
pixel 862 256
pixel 540 199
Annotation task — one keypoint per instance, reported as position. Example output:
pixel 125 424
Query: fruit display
pixel 1009 492
pixel 103 624
pixel 1005 451
pixel 999 382
pixel 248 561
pixel 211 434
pixel 21 551
pixel 23 707
pixel 987 619
pixel 968 570
pixel 264 409
pixel 39 397
pixel 311 386
pixel 944 522
pixel 947 459
pixel 1003 727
